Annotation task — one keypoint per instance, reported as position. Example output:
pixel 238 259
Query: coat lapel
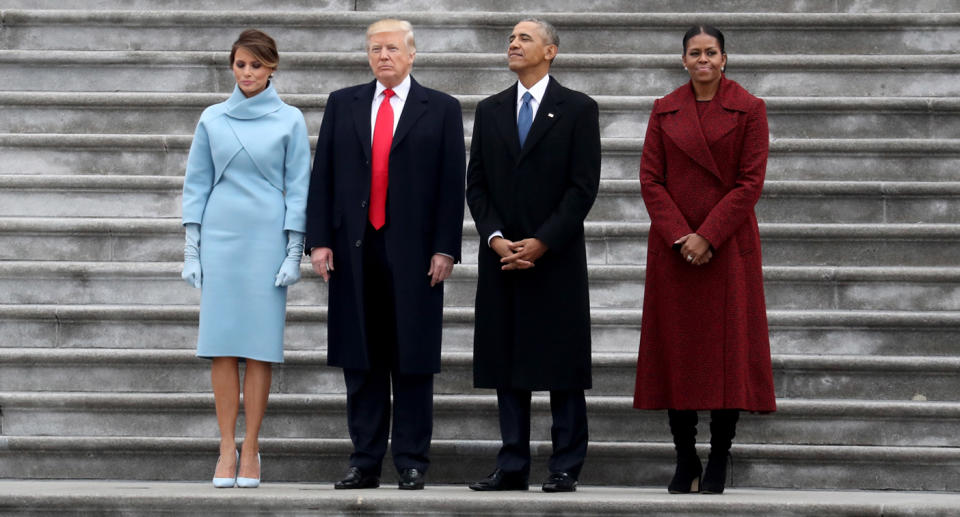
pixel 506 120
pixel 722 115
pixel 362 100
pixel 547 114
pixel 684 129
pixel 413 108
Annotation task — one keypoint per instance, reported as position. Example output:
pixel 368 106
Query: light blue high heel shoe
pixel 227 482
pixel 243 482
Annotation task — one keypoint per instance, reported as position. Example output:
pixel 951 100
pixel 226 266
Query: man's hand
pixel 695 249
pixel 440 268
pixel 524 254
pixel 322 261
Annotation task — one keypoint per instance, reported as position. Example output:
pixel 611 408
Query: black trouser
pixel 568 433
pixel 368 391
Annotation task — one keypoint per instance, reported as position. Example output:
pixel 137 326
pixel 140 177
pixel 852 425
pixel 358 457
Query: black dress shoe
pixel 356 479
pixel 501 480
pixel 411 479
pixel 560 482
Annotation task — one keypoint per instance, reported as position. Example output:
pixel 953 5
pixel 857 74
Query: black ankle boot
pixel 686 478
pixel 723 427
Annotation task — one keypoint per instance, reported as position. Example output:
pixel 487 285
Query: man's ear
pixel 550 52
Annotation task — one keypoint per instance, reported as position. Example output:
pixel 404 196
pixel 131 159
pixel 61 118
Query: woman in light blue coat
pixel 244 205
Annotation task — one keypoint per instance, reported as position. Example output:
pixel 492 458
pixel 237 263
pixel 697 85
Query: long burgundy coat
pixel 704 341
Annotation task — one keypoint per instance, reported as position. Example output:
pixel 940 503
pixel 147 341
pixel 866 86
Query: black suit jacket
pixel 533 326
pixel 424 217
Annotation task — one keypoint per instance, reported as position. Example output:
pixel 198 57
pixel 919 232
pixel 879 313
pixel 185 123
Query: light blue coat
pixel 246 185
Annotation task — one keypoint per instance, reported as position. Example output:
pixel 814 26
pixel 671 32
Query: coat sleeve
pixel 484 214
pixel 320 198
pixel 732 210
pixel 565 223
pixel 449 215
pixel 665 218
pixel 198 178
pixel 296 176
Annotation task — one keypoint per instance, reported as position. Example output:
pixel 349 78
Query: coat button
pixel 363 204
pixel 358 244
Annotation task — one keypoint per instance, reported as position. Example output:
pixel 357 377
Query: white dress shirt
pixel 536 91
pixel 396 102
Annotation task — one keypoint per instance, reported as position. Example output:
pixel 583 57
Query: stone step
pixel 474 417
pixel 902 378
pixel 794 159
pixel 299 31
pixel 614 287
pixel 621 116
pixel 610 463
pixel 43 195
pixel 156 327
pixel 127 497
pixel 610 243
pixel 518 6
pixel 910 75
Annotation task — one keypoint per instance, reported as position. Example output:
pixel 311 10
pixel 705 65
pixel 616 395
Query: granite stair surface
pixel 105 410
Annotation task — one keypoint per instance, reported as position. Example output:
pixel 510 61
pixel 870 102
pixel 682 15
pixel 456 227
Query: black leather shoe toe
pixel 560 482
pixel 411 479
pixel 501 480
pixel 356 479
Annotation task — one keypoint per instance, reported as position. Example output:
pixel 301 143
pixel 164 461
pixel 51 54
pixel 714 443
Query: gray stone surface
pixel 300 31
pixel 188 498
pixel 859 221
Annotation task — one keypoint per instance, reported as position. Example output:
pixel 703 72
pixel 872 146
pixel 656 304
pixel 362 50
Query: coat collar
pixel 685 128
pixel 413 108
pixel 239 106
pixel 548 113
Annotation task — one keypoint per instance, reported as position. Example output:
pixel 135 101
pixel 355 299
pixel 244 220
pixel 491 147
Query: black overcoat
pixel 533 326
pixel 424 217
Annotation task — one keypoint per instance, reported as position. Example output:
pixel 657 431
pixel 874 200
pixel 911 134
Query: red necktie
pixel 382 138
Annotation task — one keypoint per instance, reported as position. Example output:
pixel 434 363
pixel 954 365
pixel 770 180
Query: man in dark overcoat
pixel 533 175
pixel 384 223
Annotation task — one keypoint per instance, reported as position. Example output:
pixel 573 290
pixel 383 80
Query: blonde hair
pixel 393 25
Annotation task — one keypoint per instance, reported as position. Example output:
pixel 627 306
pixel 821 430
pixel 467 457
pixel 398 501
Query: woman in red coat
pixel 704 342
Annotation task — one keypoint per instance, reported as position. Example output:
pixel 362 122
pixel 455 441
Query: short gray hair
pixel 549 31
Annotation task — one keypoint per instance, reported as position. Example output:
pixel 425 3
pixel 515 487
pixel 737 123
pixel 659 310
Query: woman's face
pixel 703 59
pixel 252 75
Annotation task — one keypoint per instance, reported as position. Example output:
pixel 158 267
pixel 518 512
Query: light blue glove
pixel 191 256
pixel 290 269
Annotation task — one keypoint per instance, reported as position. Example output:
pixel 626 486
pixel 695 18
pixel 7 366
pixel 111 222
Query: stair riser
pixel 460 291
pixel 481 80
pixel 614 122
pixel 533 6
pixel 477 36
pixel 609 206
pixel 326 464
pixel 479 422
pixel 161 247
pixel 158 159
pixel 861 384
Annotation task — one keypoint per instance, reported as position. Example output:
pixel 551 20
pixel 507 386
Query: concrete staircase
pixel 860 221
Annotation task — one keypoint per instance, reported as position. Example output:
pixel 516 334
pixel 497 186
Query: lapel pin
pixel 550 115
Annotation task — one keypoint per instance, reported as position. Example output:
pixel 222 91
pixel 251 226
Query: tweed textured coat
pixel 704 340
pixel 424 217
pixel 533 326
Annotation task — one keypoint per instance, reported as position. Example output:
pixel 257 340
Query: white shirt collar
pixel 537 90
pixel 401 90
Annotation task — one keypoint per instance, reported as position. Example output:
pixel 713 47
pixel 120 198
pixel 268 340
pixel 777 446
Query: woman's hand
pixel 192 271
pixel 694 249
